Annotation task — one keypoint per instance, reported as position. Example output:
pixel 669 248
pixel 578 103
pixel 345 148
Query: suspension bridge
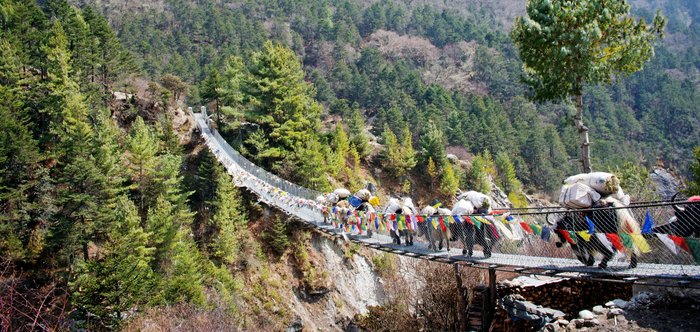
pixel 521 247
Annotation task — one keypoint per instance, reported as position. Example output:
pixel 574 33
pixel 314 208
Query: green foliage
pixel 277 237
pixel 565 44
pixel 694 182
pixel 507 180
pixel 229 221
pixel 398 158
pixel 449 183
pixel 432 144
pixel 358 138
pixel 123 278
pixel 636 182
pixel 477 177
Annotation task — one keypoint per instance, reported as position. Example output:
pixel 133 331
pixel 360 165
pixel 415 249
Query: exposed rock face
pixel 666 183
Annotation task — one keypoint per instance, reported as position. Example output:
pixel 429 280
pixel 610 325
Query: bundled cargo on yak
pixel 603 183
pixel 342 193
pixel 578 196
pixel 582 190
pixel 363 194
pixel 478 200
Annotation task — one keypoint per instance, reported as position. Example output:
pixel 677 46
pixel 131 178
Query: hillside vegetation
pixel 112 210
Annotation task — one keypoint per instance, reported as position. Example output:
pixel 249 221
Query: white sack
pixel 476 198
pixel 342 193
pixel 578 196
pixel 363 194
pixel 604 183
pixel 463 208
pixel 428 211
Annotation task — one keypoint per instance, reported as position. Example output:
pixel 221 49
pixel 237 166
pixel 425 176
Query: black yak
pixel 686 220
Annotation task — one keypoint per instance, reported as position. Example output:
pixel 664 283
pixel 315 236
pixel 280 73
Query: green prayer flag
pixel 536 229
pixel 694 245
pixel 626 240
pixel 572 235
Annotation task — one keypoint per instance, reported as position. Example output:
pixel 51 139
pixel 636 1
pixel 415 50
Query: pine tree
pixel 407 153
pixel 432 172
pixel 449 183
pixel 356 129
pixel 185 277
pixel 432 144
pixel 230 93
pixel 280 101
pixel 142 147
pixel 277 236
pixel 162 226
pixel 122 279
pixel 229 220
pixel 477 177
pixel 341 146
pixel 694 182
pixel 507 180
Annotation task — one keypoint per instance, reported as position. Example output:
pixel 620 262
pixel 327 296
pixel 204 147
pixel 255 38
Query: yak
pixel 432 233
pixel 686 220
pixel 470 234
pixel 606 217
pixel 403 207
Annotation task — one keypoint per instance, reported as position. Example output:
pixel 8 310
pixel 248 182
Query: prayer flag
pixel 468 220
pixel 679 241
pixel 537 229
pixel 591 228
pixel 626 240
pixel 526 227
pixel 495 232
pixel 442 224
pixel 504 230
pixel 433 222
pixel 615 240
pixel 584 235
pixel 546 233
pixel 604 241
pixel 641 243
pixel 566 236
pixel 456 218
pixel 648 224
pixel 694 245
pixel 666 240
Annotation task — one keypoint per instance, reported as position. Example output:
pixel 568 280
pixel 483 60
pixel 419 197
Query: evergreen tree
pixel 185 277
pixel 432 172
pixel 432 143
pixel 562 54
pixel 277 236
pixel 341 146
pixel 162 226
pixel 506 174
pixel 449 183
pixel 694 182
pixel 142 146
pixel 229 221
pixel 122 279
pixel 356 129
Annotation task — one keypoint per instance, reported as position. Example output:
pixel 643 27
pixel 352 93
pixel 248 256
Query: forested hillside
pixel 406 64
pixel 110 205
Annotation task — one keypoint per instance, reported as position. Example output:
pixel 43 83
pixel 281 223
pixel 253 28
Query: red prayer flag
pixel 526 227
pixel 566 236
pixel 392 217
pixel 615 240
pixel 679 241
pixel 468 220
pixel 442 224
pixel 420 219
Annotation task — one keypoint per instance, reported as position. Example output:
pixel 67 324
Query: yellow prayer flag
pixel 641 243
pixel 584 235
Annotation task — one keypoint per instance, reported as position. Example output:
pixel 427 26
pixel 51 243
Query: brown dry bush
pixel 183 317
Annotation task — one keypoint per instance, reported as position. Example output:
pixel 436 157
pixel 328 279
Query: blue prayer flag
pixel 591 229
pixel 545 233
pixel 648 224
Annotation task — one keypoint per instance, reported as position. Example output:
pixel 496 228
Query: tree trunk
pixel 583 135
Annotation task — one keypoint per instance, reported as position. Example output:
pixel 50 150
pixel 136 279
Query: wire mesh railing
pixel 653 239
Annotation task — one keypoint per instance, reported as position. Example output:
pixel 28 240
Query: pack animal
pixel 432 233
pixel 470 234
pixel 608 216
pixel 686 220
pixel 403 207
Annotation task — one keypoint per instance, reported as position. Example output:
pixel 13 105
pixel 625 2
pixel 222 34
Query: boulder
pixel 599 310
pixel 585 314
pixel 578 323
pixel 617 303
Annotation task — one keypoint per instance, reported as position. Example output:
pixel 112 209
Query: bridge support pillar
pixel 463 298
pixel 492 298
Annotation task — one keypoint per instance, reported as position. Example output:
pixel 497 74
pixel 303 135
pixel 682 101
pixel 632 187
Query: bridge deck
pixel 258 181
